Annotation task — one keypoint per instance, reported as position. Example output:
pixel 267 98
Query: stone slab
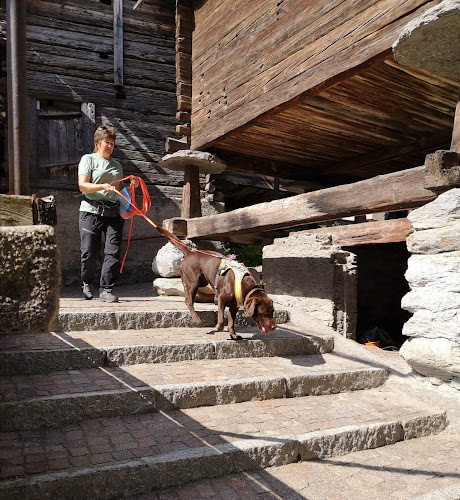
pixel 70 396
pixel 431 40
pixel 179 446
pixel 40 353
pixel 427 468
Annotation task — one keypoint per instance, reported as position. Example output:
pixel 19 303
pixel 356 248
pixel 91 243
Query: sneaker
pixel 107 296
pixel 87 291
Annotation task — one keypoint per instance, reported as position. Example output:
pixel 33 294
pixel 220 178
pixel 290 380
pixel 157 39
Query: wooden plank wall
pixel 71 58
pixel 249 57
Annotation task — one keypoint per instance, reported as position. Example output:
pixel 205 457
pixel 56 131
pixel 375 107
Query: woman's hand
pixel 106 187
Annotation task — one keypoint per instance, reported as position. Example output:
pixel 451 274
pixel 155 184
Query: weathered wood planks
pixel 184 29
pixel 396 191
pixel 383 118
pixel 71 58
pixel 250 58
pixel 368 233
pixel 16 210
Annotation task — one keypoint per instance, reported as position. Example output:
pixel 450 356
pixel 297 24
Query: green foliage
pixel 249 255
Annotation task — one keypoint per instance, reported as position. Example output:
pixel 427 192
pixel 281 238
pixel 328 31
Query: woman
pixel 99 215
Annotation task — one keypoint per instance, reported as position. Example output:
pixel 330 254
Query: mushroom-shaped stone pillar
pixel 192 163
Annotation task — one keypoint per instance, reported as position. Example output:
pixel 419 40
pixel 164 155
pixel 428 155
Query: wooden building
pixel 308 97
pixel 75 81
pixel 308 94
pixel 93 62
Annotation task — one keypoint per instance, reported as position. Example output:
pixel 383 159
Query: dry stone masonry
pixel 306 272
pixel 434 277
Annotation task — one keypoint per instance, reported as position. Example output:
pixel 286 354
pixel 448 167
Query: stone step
pixel 427 468
pixel 122 456
pixel 64 397
pixel 81 315
pixel 45 352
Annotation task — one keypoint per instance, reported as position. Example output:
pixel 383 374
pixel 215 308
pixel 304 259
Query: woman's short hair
pixel 103 132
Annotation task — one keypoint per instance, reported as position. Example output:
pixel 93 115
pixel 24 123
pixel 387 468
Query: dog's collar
pixel 248 295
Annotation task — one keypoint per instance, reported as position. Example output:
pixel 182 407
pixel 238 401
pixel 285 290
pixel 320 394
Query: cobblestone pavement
pixel 399 471
pixel 19 387
pixel 157 336
pixel 103 440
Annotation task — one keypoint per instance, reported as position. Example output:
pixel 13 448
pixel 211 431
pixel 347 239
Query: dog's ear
pixel 251 306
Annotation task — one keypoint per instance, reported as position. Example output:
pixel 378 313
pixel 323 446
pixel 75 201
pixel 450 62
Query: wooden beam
pixel 368 233
pixel 385 193
pixel 118 43
pixel 16 210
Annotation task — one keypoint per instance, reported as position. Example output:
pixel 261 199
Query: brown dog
pixel 200 268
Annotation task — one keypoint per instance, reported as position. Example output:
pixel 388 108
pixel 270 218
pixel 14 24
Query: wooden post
pixel 455 144
pixel 18 128
pixel 118 44
pixel 191 204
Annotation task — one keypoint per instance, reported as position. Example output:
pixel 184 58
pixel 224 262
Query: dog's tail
pixel 183 247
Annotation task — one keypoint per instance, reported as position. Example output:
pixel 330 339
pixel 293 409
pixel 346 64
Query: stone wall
pixel 434 277
pixel 30 279
pixel 138 266
pixel 305 272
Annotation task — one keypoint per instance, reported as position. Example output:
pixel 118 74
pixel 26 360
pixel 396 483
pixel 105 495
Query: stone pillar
pixel 434 277
pixel 306 272
pixel 431 43
pixel 30 279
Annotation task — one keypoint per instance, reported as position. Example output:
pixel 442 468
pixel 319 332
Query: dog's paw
pixel 235 337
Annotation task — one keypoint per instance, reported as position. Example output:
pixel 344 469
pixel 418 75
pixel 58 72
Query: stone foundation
pixel 307 273
pixel 30 279
pixel 434 277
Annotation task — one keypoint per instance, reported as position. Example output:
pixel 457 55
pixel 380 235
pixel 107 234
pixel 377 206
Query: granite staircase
pixel 127 404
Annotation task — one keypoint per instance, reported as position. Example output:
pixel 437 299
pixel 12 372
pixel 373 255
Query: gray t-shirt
pixel 99 171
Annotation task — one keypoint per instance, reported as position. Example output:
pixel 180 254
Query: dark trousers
pixel 92 227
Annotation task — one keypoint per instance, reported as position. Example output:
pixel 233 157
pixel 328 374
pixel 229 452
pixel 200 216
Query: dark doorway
pixel 381 286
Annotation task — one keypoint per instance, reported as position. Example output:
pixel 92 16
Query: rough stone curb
pixel 448 493
pixel 35 361
pixel 140 320
pixel 179 468
pixel 66 409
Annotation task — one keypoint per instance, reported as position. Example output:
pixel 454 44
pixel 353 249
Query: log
pixel 16 210
pixel 368 233
pixel 173 145
pixel 385 193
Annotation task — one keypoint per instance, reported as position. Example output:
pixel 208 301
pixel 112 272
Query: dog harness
pixel 239 270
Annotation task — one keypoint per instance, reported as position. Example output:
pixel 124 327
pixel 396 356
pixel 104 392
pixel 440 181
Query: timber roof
pixel 310 92
pixel 382 119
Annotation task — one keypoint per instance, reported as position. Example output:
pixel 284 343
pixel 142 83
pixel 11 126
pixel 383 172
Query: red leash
pixel 135 210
